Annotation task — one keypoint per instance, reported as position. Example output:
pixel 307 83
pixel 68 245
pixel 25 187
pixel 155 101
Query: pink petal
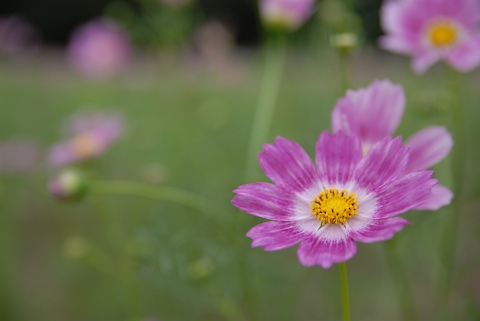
pixel 273 236
pixel 421 62
pixel 376 230
pixel 330 246
pixel 288 165
pixel 264 200
pixel 428 147
pixel 383 162
pixel 440 196
pixel 466 56
pixel 401 195
pixel 370 113
pixel 337 157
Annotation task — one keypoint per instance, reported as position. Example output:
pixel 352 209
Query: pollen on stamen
pixel 442 34
pixel 334 206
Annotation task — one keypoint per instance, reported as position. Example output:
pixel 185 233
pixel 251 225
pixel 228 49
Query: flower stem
pixel 274 62
pixel 345 296
pixel 400 277
pixel 458 176
pixel 345 71
pixel 161 193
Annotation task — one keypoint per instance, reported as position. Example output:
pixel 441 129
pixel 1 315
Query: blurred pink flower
pixel 100 49
pixel 375 112
pixel 285 14
pixel 89 136
pixel 19 155
pixel 16 35
pixel 433 30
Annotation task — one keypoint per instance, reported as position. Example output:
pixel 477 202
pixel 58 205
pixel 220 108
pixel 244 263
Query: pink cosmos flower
pixel 20 155
pixel 328 207
pixel 100 49
pixel 433 30
pixel 374 112
pixel 89 136
pixel 287 14
pixel 17 35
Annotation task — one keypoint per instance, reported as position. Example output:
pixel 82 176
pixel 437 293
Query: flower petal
pixel 288 165
pixel 428 147
pixel 264 200
pixel 370 113
pixel 337 157
pixel 422 61
pixel 440 196
pixel 330 246
pixel 273 236
pixel 466 56
pixel 376 230
pixel 401 195
pixel 383 162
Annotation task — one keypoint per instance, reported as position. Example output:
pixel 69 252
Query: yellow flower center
pixel 443 33
pixel 332 206
pixel 85 145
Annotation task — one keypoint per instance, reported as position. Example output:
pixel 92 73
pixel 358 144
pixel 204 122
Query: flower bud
pixel 285 14
pixel 68 185
pixel 345 42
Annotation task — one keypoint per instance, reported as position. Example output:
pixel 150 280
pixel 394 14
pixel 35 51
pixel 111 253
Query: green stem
pixel 345 295
pixel 458 177
pixel 400 277
pixel 345 71
pixel 274 63
pixel 161 193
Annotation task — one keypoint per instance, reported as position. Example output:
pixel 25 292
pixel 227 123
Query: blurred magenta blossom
pixel 100 49
pixel 285 14
pixel 433 30
pixel 17 35
pixel 20 155
pixel 328 206
pixel 375 112
pixel 89 135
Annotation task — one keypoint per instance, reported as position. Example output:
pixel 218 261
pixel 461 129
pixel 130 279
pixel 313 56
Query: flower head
pixel 17 35
pixel 433 30
pixel 374 112
pixel 328 207
pixel 285 14
pixel 89 136
pixel 100 49
pixel 20 155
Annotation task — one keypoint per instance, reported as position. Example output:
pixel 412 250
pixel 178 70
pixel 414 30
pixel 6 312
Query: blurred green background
pixel 188 123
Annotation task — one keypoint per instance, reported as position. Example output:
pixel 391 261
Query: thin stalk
pixel 400 277
pixel 161 193
pixel 345 71
pixel 274 64
pixel 345 295
pixel 459 152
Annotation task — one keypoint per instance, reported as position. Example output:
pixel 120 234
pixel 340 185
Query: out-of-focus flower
pixel 19 155
pixel 344 198
pixel 89 136
pixel 285 14
pixel 69 185
pixel 433 30
pixel 100 49
pixel 17 35
pixel 374 112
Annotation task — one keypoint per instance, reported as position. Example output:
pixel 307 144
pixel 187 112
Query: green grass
pixel 149 258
